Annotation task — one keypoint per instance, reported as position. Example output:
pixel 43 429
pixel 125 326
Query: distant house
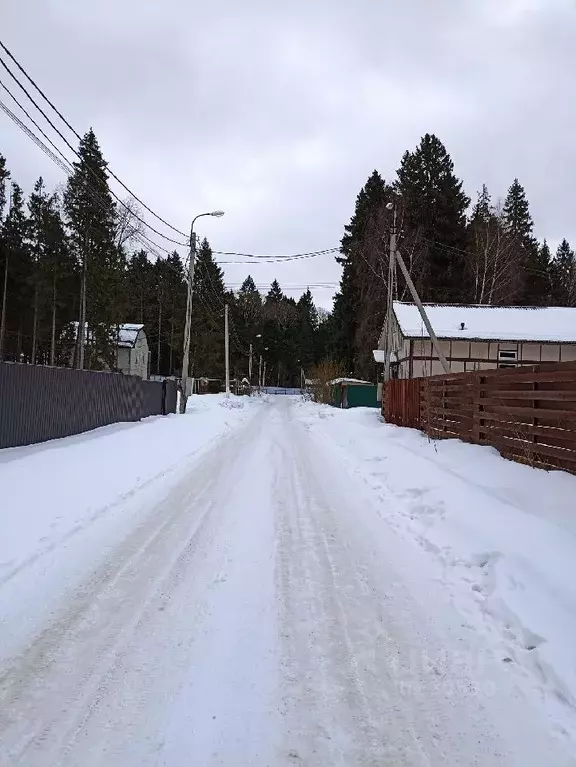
pixel 132 351
pixel 478 338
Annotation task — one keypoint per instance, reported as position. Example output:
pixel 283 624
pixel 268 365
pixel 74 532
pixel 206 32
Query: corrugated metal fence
pixel 528 414
pixel 39 403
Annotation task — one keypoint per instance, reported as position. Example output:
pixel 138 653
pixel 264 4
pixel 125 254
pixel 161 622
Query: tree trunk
pixel 159 335
pixel 53 334
pixel 171 368
pixel 35 324
pixel 3 318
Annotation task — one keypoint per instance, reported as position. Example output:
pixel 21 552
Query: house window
pixel 507 358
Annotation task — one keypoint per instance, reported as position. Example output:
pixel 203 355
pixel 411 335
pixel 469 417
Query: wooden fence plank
pixel 528 414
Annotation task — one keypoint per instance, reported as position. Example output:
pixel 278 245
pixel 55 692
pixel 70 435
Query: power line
pixel 69 145
pixel 65 165
pixel 311 254
pixel 278 258
pixel 65 121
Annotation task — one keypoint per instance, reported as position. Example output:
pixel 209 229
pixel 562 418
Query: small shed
pixel 352 392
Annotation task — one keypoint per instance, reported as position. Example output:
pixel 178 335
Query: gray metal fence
pixel 39 403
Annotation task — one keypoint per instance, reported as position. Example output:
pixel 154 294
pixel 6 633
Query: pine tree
pixel 307 330
pixel 91 216
pixel 525 250
pixel 4 176
pixel 434 213
pixel 207 339
pixel 16 276
pixel 349 310
pixel 563 273
pixel 517 213
pixel 537 277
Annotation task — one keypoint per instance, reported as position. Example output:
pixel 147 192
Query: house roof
pixel 347 381
pixel 490 323
pixel 127 333
pixel 380 356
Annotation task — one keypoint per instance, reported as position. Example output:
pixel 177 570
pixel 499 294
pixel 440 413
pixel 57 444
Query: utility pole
pixel 82 339
pixel 264 375
pixel 250 366
pixel 227 350
pixel 260 373
pixel 188 322
pixel 187 325
pixel 390 302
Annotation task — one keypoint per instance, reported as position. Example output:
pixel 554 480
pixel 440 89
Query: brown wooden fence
pixel 401 402
pixel 528 413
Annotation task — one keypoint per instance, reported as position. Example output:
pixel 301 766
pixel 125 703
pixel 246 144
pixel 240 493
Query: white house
pixel 132 352
pixel 478 338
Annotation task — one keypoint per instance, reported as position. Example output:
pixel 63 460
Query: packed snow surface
pixel 273 582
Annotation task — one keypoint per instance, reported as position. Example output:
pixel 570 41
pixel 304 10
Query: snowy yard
pixel 274 582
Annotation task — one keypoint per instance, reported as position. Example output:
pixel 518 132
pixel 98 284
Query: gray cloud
pixel 278 112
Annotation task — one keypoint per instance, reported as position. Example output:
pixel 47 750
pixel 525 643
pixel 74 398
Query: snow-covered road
pixel 256 611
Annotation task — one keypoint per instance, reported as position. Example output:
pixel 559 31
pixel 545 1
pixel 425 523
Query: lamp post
pixel 250 360
pixel 184 386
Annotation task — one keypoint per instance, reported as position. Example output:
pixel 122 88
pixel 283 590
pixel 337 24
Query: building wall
pixel 134 361
pixel 468 356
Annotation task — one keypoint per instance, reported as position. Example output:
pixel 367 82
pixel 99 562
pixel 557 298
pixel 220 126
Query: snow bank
pixel 55 490
pixel 500 536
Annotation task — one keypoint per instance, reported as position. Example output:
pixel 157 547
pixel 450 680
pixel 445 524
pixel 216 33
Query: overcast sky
pixel 277 112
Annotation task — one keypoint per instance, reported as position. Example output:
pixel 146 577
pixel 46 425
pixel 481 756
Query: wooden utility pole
pixel 390 301
pixel 250 366
pixel 82 338
pixel 227 349
pixel 5 291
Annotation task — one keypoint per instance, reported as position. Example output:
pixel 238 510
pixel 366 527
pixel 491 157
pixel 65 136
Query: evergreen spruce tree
pixel 434 211
pixel 207 340
pixel 176 308
pixel 537 277
pixel 307 329
pixel 563 273
pixel 53 274
pixel 348 309
pixel 517 213
pixel 91 217
pixel 4 176
pixel 16 268
pixel 525 250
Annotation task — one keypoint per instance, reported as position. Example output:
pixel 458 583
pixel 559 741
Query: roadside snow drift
pixel 502 537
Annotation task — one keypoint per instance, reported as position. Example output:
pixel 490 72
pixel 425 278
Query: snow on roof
pixel 347 381
pixel 127 333
pixel 380 356
pixel 492 323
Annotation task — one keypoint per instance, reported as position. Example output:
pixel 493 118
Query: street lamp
pixel 250 360
pixel 186 351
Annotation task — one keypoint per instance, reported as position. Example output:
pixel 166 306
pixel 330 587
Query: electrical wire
pixel 295 256
pixel 69 145
pixel 75 132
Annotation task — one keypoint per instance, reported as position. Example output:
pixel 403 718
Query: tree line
pixel 76 253
pixel 73 258
pixel 484 254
